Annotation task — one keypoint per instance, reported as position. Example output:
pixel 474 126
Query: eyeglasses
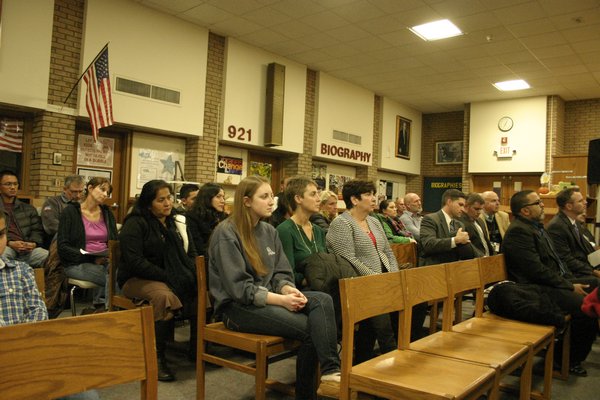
pixel 9 184
pixel 535 203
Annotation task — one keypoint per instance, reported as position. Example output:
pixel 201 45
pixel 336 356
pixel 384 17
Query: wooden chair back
pixel 405 253
pixel 40 281
pixel 61 357
pixel 463 276
pixel 492 269
pixel 116 301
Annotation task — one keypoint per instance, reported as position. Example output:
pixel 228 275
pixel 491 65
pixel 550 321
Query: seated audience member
pixel 411 217
pixel 567 234
pixel 400 207
pixel 327 211
pixel 208 211
pixel 187 197
pixel 54 206
pixel 495 221
pixel 443 237
pixel 360 239
pixel 300 237
pixel 25 234
pixel 393 228
pixel 88 226
pixel 474 226
pixel 531 258
pixel 155 265
pixel 20 299
pixel 252 283
pixel 281 211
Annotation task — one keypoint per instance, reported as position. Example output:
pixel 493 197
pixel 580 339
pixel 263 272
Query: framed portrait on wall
pixel 403 137
pixel 449 152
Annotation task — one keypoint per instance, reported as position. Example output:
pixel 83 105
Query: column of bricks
pixel 582 124
pixel 201 152
pixel 54 132
pixel 369 172
pixel 554 129
pixel 466 177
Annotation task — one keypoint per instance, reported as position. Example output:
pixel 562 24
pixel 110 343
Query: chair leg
pixel 526 377
pixel 548 365
pixel 72 298
pixel 261 371
pixel 200 371
pixel 563 374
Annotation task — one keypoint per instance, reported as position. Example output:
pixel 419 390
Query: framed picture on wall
pixel 449 152
pixel 403 137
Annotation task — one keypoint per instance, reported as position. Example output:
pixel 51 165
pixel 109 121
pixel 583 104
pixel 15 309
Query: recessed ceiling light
pixel 518 84
pixel 436 30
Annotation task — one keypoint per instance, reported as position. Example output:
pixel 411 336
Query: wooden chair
pixel 116 301
pixel 40 281
pixel 493 270
pixel 429 283
pixel 401 373
pixel 265 348
pixel 405 253
pixel 465 276
pixel 60 357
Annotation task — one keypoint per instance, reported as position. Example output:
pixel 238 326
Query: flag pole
pixel 84 71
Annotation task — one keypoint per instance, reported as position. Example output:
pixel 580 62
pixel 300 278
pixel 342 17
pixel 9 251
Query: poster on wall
pixel 155 164
pixel 319 174
pixel 434 187
pixel 336 182
pixel 99 154
pixel 229 170
pixel 260 169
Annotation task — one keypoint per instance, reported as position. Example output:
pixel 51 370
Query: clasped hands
pixel 292 299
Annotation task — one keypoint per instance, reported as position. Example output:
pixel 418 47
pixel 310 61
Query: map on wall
pixel 155 164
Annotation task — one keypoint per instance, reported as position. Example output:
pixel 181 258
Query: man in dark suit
pixel 567 234
pixel 474 226
pixel 443 238
pixel 531 258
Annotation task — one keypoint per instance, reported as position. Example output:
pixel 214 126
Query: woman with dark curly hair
pixel 205 215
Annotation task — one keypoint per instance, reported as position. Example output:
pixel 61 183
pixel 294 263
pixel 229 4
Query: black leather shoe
pixel 577 370
pixel 164 372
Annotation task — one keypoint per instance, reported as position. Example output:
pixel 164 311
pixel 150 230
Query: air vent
pixel 347 137
pixel 146 90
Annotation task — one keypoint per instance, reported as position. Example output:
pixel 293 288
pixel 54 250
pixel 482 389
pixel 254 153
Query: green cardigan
pixel 388 230
pixel 297 246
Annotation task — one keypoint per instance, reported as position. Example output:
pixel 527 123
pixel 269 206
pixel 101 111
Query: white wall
pixel 527 137
pixel 388 159
pixel 26 38
pixel 153 48
pixel 245 92
pixel 344 107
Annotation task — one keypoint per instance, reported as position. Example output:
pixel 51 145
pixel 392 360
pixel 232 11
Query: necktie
pixel 452 227
pixel 482 237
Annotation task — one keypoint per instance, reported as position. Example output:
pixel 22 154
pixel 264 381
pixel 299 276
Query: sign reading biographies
pixel 434 187
pixel 229 170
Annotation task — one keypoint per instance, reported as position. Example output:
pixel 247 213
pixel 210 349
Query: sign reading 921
pixel 239 133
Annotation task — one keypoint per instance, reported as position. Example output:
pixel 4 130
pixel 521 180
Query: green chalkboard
pixel 434 187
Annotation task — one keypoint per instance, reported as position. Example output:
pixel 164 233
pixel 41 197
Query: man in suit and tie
pixel 532 259
pixel 567 234
pixel 474 226
pixel 443 238
pixel 495 221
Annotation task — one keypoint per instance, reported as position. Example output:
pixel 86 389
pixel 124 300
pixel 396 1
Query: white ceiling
pixel 552 44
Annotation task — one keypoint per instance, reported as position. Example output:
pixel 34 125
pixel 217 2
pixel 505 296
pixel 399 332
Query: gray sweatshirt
pixel 231 276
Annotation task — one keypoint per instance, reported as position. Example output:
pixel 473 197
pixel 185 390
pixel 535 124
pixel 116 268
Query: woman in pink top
pixel 86 228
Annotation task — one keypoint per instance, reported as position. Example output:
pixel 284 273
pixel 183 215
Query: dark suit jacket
pixel 529 258
pixel 478 245
pixel 436 241
pixel 571 247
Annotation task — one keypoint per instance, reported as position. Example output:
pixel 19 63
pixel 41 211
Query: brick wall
pixel 466 177
pixel 582 124
pixel 555 129
pixel 201 152
pixel 369 172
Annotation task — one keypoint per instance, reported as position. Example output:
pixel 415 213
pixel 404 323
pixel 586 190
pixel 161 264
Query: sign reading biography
pixel 99 154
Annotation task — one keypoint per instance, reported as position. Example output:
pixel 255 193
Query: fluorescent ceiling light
pixel 518 84
pixel 436 30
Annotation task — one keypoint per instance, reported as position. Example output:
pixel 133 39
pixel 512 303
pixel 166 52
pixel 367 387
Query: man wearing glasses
pixel 532 259
pixel 25 233
pixel 53 206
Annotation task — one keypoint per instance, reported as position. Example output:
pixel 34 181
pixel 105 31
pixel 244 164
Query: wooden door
pixel 505 185
pixel 267 166
pixel 105 158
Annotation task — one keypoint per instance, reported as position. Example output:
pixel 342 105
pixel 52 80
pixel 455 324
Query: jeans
pixel 95 273
pixel 314 325
pixel 35 258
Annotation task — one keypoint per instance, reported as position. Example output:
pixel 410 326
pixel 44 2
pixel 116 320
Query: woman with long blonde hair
pixel 253 286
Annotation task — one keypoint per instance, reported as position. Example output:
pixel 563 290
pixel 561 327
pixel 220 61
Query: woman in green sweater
pixel 300 237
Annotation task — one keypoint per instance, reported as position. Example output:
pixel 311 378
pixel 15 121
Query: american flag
pixel 11 135
pixel 98 99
